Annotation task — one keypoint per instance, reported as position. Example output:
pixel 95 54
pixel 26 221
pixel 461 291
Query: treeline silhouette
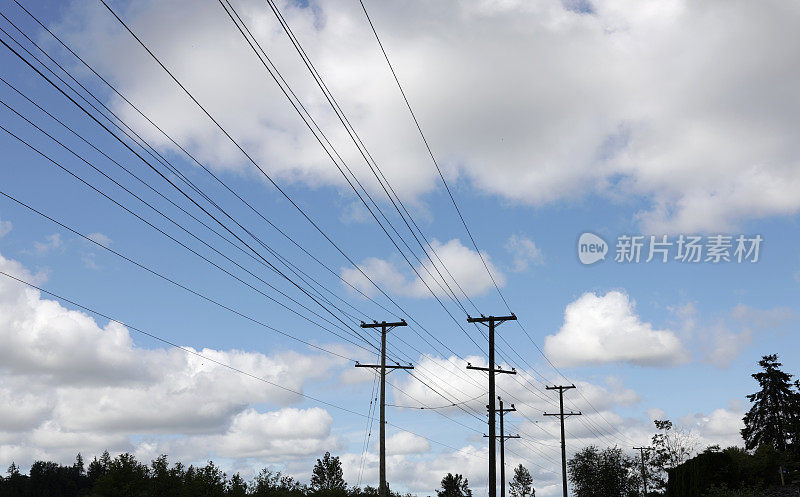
pixel 125 476
pixel 768 464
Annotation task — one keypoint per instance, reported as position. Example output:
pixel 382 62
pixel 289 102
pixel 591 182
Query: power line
pixel 170 280
pixel 455 204
pixel 82 180
pixel 215 361
pixel 424 383
pixel 226 228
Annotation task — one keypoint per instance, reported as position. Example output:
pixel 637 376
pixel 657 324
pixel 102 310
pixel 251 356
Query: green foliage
pixel 669 448
pixel 774 417
pixel 522 483
pixel 269 484
pixel 124 476
pixel 454 486
pixel 609 473
pixel 732 471
pixel 327 476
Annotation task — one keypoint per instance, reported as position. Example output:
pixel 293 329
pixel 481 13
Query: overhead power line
pixel 455 204
pixel 215 361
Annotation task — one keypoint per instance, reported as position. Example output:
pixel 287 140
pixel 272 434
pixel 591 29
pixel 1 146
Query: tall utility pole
pixel 491 322
pixel 561 414
pixel 385 328
pixel 503 438
pixel 644 472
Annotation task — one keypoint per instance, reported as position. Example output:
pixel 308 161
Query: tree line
pixel 125 476
pixel 770 457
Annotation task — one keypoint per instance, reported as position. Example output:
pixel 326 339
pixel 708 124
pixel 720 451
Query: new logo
pixel 591 248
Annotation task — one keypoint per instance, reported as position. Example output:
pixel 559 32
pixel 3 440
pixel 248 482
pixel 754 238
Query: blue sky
pixel 602 144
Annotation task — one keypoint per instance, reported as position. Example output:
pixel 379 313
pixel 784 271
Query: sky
pixel 157 328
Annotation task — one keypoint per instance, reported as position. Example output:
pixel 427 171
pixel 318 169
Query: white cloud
pixel 5 227
pixel 629 107
pixel 721 426
pixel 69 384
pixel 525 252
pixel 288 432
pixel 602 329
pixel 525 388
pixel 404 442
pixel 722 339
pixel 464 265
pixel 51 242
pixel 100 238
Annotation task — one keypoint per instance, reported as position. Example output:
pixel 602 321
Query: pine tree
pixel 522 483
pixel 773 417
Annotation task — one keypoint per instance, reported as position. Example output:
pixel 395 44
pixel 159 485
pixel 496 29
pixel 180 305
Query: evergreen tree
pixel 165 482
pixel 773 417
pixel 125 477
pixel 454 486
pixel 327 474
pixel 98 468
pixel 15 484
pixel 522 483
pixel 236 487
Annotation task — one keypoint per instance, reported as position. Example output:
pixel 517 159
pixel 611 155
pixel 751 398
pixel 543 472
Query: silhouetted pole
pixel 491 322
pixel 503 446
pixel 644 473
pixel 562 415
pixel 385 328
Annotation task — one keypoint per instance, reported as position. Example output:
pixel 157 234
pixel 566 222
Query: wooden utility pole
pixel 385 328
pixel 561 414
pixel 644 472
pixel 503 438
pixel 491 322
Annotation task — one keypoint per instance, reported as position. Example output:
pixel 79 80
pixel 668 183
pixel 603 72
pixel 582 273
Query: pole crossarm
pixel 383 488
pixel 562 415
pixel 384 324
pixel 496 370
pixel 642 451
pixel 492 322
pixel 506 437
pixel 399 366
pixel 491 319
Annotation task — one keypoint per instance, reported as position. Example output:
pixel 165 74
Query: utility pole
pixel 491 322
pixel 503 438
pixel 644 472
pixel 385 328
pixel 561 414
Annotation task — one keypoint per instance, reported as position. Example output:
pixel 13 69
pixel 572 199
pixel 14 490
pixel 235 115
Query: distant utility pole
pixel 491 322
pixel 385 328
pixel 644 472
pixel 503 438
pixel 561 414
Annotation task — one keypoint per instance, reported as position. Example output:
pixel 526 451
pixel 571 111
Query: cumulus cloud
pixel 722 426
pixel 602 329
pixel 464 265
pixel 404 442
pixel 629 107
pixel 525 388
pixel 67 384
